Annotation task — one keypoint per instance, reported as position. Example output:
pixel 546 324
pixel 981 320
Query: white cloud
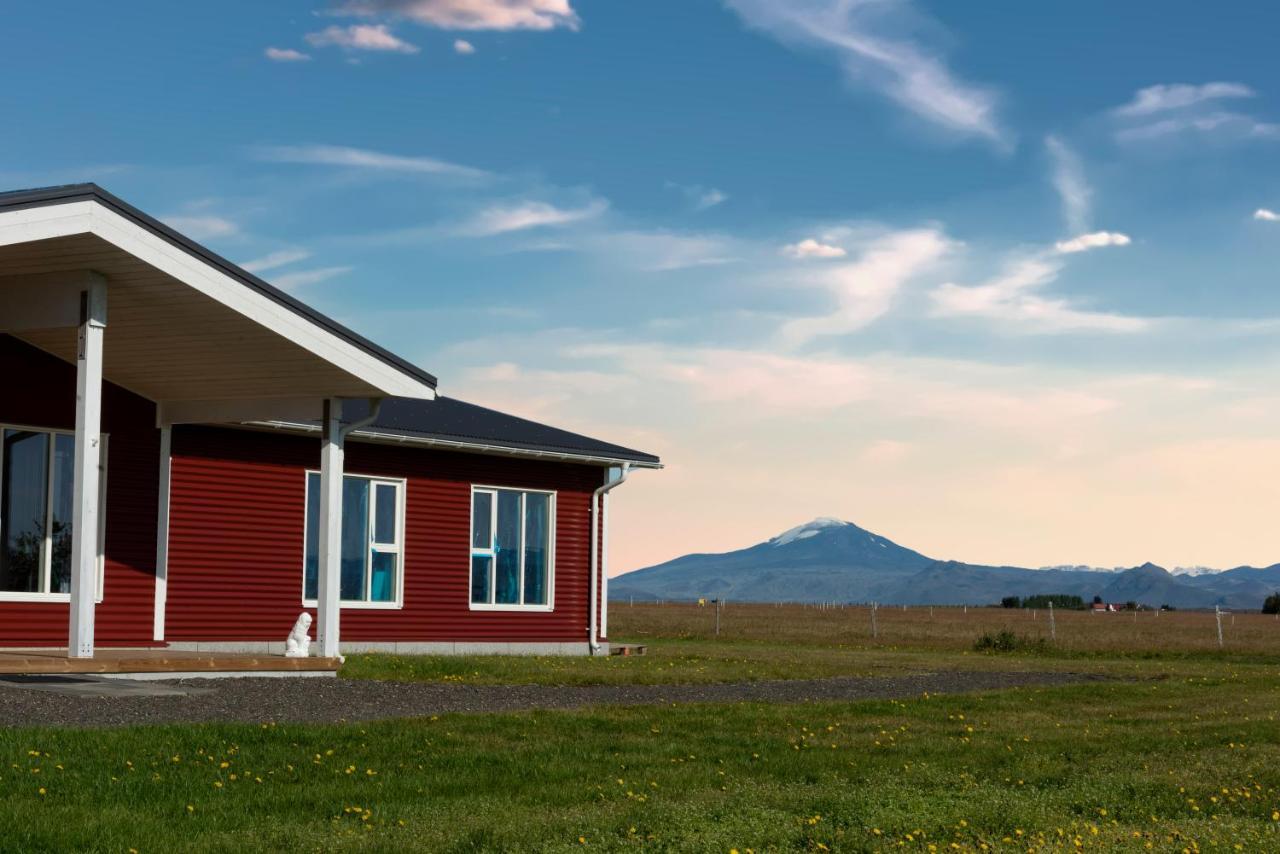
pixel 1070 182
pixel 1179 109
pixel 303 278
pixel 375 37
pixel 1222 123
pixel 1175 96
pixel 273 260
pixel 903 70
pixel 864 289
pixel 810 248
pixel 472 14
pixel 202 227
pixel 502 219
pixel 700 198
pixel 663 251
pixel 285 54
pixel 336 155
pixel 1094 240
pixel 1013 299
pixel 1266 215
pixel 463 47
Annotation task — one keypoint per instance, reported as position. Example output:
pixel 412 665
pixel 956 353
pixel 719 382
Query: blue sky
pixel 996 280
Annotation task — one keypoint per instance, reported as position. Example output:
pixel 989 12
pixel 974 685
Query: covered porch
pixel 100 285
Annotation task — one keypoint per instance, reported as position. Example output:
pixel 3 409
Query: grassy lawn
pixel 1190 761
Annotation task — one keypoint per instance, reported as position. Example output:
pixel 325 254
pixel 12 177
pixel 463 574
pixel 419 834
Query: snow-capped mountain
pixel 828 560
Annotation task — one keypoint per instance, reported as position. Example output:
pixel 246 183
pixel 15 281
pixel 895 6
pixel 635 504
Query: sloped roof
pixel 446 421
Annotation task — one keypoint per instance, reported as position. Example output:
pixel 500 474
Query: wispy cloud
pixel 700 198
pixel 1094 240
pixel 662 251
pixel 285 54
pixel 524 215
pixel 202 227
pixel 471 14
pixel 811 248
pixel 372 37
pixel 360 158
pixel 1014 299
pixel 1070 182
pixel 864 289
pixel 1224 124
pixel 303 278
pixel 463 47
pixel 1266 215
pixel 1171 110
pixel 907 72
pixel 1175 96
pixel 276 259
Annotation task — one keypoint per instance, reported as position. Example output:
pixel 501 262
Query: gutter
pixel 455 445
pixel 593 642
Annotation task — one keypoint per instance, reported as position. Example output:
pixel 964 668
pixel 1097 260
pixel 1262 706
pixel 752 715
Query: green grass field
pixel 1182 754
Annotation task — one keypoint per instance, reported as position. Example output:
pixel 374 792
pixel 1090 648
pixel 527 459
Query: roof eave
pixel 486 448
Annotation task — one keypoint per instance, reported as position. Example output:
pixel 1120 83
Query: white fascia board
pixel 63 220
pixel 496 450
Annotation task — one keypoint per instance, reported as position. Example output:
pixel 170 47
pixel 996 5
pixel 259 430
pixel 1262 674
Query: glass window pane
pixel 64 457
pixel 537 523
pixel 480 579
pixel 385 507
pixel 383 581
pixel 507 579
pixel 311 559
pixel 355 538
pixel 481 520
pixel 23 505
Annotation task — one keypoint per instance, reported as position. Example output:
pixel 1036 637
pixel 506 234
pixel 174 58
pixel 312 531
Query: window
pixel 372 537
pixel 37 491
pixel 512 561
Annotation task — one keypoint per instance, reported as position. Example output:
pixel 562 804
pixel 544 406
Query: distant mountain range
pixel 829 560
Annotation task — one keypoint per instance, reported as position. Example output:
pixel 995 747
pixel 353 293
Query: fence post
pixel 717 618
pixel 1217 612
pixel 875 630
pixel 1053 627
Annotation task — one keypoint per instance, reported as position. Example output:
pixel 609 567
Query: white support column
pixel 162 533
pixel 330 553
pixel 84 524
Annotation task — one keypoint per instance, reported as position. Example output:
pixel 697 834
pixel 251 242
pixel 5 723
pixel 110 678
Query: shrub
pixel 1006 641
pixel 1010 602
pixel 1272 604
pixel 1061 601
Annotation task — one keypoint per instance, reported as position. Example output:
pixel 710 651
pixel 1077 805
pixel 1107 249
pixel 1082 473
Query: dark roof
pixel 18 199
pixel 451 420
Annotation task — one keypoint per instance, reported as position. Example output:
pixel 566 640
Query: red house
pixel 191 458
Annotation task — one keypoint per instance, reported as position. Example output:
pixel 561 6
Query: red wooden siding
pixel 236 540
pixel 39 391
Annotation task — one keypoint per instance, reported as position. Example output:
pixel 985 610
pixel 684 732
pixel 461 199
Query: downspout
pixel 593 641
pixel 375 409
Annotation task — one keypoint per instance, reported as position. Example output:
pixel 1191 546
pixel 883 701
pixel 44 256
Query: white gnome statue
pixel 298 644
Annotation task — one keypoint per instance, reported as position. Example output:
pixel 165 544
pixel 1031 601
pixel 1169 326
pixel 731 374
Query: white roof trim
pixel 90 217
pixel 489 448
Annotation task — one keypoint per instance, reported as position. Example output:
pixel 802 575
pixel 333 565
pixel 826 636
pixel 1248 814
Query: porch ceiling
pixel 169 342
pixel 183 325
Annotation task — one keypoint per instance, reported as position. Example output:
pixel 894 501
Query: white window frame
pixel 491 553
pixel 46 562
pixel 398 549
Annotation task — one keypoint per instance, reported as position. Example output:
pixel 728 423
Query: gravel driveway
pixel 333 700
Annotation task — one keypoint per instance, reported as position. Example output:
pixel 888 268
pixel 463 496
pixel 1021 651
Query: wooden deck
pixel 157 662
